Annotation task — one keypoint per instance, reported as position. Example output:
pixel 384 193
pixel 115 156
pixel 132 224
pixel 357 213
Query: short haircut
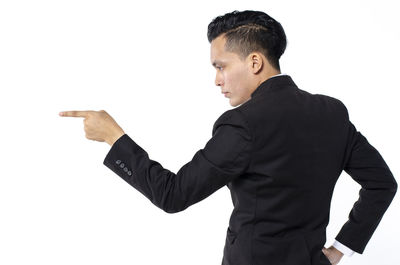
pixel 249 31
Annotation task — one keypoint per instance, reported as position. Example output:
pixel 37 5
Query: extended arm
pixel 225 157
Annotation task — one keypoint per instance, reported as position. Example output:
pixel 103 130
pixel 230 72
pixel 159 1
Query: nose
pixel 218 79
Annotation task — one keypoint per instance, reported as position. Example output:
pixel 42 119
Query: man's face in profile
pixel 233 75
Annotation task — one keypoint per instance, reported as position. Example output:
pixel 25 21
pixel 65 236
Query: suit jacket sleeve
pixel 224 157
pixel 378 187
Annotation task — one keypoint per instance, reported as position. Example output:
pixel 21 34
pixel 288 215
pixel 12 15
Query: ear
pixel 256 62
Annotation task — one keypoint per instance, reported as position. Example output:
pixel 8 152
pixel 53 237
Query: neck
pixel 267 75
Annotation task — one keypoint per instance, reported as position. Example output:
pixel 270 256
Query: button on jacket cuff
pixel 114 161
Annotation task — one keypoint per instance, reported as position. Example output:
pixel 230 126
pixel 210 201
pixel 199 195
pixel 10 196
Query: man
pixel 280 152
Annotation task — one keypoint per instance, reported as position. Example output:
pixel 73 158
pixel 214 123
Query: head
pixel 245 51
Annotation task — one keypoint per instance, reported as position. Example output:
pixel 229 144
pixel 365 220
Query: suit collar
pixel 276 82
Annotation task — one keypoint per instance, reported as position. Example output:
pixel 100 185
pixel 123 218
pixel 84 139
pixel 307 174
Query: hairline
pixel 234 47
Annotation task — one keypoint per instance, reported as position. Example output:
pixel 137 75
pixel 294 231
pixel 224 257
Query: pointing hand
pixel 98 125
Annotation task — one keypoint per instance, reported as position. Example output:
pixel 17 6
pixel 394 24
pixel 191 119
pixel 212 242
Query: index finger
pixel 74 113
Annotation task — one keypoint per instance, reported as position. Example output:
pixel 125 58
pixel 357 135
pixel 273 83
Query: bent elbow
pixel 394 187
pixel 172 206
pixel 391 189
pixel 172 210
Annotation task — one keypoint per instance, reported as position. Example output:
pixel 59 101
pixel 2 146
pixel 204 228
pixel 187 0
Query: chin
pixel 237 102
pixel 234 103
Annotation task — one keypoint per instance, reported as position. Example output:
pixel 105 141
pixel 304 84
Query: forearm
pixel 132 164
pixel 171 192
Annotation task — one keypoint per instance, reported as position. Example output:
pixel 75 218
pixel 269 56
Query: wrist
pixel 336 251
pixel 111 140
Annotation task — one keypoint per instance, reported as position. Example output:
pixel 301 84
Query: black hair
pixel 248 31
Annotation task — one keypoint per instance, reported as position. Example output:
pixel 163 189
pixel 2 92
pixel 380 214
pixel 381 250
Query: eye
pixel 219 67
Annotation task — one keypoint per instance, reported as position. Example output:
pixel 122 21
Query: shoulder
pixel 341 106
pixel 234 118
pixel 337 103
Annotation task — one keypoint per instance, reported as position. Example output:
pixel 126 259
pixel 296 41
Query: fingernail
pixel 61 113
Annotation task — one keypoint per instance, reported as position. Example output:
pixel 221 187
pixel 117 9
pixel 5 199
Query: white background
pixel 147 64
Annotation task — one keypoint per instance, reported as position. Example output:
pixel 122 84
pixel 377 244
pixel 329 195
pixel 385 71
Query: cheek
pixel 231 76
pixel 237 79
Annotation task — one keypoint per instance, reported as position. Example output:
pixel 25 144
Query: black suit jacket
pixel 280 154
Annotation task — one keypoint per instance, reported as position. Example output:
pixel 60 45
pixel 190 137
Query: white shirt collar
pixel 278 75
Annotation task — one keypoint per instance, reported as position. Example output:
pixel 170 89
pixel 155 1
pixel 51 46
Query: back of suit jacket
pixel 280 154
pixel 301 144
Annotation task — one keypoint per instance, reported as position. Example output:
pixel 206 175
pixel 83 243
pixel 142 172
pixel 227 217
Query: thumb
pixel 325 251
